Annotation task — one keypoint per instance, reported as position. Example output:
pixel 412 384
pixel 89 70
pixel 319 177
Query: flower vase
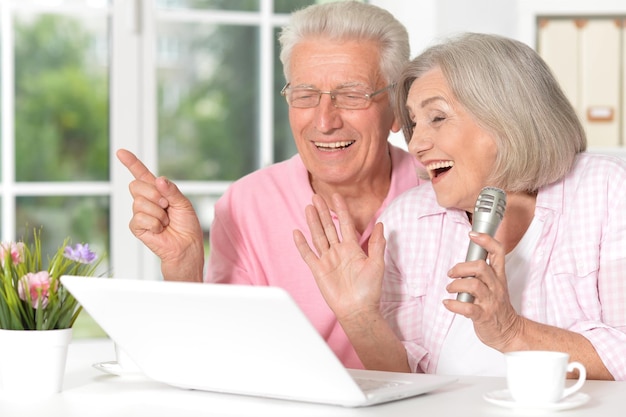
pixel 32 362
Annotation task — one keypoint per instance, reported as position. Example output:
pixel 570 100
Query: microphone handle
pixel 488 213
pixel 474 253
pixel 465 297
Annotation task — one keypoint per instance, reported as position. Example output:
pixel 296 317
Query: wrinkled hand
pixel 496 322
pixel 348 278
pixel 165 221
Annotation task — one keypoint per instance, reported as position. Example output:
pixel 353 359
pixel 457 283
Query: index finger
pixel 134 165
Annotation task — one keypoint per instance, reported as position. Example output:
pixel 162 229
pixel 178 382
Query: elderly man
pixel 340 61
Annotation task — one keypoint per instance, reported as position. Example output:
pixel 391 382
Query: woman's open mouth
pixel 435 169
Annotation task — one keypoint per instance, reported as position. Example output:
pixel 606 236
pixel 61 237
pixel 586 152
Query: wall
pixel 430 20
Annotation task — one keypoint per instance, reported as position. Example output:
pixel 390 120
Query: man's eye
pixel 302 95
pixel 351 95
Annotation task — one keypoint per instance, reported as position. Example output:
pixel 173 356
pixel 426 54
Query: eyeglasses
pixel 342 98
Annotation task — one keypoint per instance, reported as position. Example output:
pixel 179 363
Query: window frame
pixel 10 189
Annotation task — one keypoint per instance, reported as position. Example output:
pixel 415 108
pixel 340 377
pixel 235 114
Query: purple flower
pixel 38 285
pixel 80 253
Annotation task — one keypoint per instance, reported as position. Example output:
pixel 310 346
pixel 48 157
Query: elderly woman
pixel 481 110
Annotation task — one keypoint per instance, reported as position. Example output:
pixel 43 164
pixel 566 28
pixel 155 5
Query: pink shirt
pixel 252 238
pixel 576 280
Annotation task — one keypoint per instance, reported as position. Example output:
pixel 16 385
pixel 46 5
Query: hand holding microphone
pixel 488 213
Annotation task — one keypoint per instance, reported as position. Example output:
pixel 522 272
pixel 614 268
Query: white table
pixel 89 392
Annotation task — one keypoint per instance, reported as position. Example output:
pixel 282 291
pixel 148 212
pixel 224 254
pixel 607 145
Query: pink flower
pixel 16 250
pixel 38 285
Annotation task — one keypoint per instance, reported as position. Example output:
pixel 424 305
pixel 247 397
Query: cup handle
pixel 582 375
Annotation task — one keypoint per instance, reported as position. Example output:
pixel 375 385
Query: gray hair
pixel 512 93
pixel 349 20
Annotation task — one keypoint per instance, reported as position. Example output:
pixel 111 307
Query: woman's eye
pixel 438 119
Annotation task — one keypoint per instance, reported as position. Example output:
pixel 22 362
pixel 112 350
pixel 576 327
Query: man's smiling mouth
pixel 333 146
pixel 437 168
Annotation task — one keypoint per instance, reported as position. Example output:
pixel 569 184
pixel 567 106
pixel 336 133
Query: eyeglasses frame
pixel 331 93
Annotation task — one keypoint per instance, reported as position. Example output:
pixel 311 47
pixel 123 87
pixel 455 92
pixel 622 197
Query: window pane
pixel 204 206
pixel 284 146
pixel 61 98
pixel 288 6
pixel 208 100
pixel 2 64
pixel 240 5
pixel 93 4
pixel 85 327
pixel 82 219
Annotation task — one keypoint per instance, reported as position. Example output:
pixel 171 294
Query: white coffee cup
pixel 538 377
pixel 124 361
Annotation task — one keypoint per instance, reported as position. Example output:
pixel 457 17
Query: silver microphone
pixel 488 213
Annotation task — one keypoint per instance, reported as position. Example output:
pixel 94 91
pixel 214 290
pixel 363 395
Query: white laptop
pixel 248 340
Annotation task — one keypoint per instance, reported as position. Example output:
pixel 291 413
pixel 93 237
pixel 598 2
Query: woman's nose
pixel 419 142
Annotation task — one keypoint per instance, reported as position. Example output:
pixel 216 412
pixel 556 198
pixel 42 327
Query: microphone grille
pixel 491 199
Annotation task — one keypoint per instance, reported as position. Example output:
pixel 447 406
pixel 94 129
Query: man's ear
pixel 396 126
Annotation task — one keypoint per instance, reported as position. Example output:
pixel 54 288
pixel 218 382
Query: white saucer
pixel 114 368
pixel 503 399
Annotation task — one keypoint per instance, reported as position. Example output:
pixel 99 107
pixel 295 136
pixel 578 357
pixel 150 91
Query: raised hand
pixel 350 280
pixel 165 221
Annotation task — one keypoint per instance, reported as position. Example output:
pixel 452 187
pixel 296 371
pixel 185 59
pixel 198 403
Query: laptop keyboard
pixel 368 384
